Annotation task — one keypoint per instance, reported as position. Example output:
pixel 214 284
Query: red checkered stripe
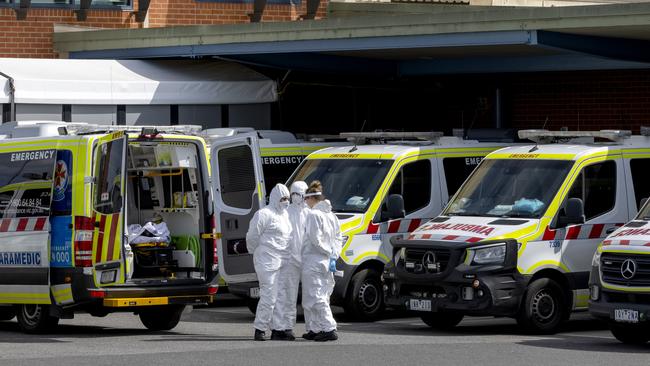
pixel 458 238
pixel 395 226
pixel 24 224
pixel 624 242
pixel 592 231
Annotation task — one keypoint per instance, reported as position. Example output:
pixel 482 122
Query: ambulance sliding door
pixel 25 197
pixel 108 208
pixel 238 189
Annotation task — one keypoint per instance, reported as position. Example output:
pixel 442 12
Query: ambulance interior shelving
pixel 163 199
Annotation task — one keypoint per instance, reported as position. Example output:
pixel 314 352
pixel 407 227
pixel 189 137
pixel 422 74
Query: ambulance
pixel 619 283
pixel 74 200
pixel 518 238
pixel 386 184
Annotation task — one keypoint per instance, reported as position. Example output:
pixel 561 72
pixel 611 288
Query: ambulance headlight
pixel 489 254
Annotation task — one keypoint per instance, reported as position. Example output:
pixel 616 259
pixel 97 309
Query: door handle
pixel 610 230
pixel 232 224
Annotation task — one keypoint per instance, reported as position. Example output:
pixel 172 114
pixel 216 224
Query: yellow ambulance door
pixel 109 168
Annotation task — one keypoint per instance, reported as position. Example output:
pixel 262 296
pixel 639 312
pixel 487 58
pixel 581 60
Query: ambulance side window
pixel 237 176
pixel 26 183
pixel 639 169
pixel 108 174
pixel 457 170
pixel 596 186
pixel 413 182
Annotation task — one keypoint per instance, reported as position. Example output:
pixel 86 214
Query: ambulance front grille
pixel 426 260
pixel 635 272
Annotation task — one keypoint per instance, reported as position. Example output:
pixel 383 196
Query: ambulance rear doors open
pixel 238 192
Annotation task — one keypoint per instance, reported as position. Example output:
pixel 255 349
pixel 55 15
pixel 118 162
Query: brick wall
pixel 581 100
pixel 33 37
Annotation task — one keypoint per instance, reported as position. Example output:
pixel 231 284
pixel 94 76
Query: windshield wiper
pixel 479 214
pixel 520 215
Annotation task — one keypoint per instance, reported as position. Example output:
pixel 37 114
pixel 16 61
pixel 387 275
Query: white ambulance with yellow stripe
pixel 385 187
pixel 68 203
pixel 619 283
pixel 518 238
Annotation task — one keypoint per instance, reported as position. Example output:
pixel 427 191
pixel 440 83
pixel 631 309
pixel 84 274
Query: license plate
pixel 254 292
pixel 420 305
pixel 626 315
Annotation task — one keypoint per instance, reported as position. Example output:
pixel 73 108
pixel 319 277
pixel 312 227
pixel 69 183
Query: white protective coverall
pixel 323 241
pixel 268 239
pixel 284 315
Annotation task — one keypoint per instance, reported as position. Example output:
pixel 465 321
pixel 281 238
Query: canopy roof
pixel 67 81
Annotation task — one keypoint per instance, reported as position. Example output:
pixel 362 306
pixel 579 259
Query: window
pixel 596 186
pixel 108 175
pixel 510 188
pixel 278 169
pixel 457 170
pixel 638 168
pixel 349 184
pixel 413 182
pixel 71 3
pixel 237 176
pixel 26 183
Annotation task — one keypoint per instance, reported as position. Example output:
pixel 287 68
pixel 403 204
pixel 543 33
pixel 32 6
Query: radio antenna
pixel 354 148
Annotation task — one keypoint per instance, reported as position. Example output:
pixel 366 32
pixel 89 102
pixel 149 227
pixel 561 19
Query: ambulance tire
pixel 365 301
pixel 161 317
pixel 252 305
pixel 442 320
pixel 35 318
pixel 7 313
pixel 544 308
pixel 630 334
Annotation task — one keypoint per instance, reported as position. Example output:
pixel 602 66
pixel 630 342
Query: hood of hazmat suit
pixel 269 231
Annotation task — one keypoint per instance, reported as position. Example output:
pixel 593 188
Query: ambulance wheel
pixel 252 305
pixel 7 313
pixel 161 317
pixel 630 334
pixel 35 318
pixel 442 320
pixel 544 308
pixel 366 299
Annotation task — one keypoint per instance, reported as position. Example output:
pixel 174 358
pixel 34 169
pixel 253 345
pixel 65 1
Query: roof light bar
pixel 546 136
pixel 392 135
pixel 79 129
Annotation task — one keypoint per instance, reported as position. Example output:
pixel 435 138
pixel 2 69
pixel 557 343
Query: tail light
pixel 215 253
pixel 83 241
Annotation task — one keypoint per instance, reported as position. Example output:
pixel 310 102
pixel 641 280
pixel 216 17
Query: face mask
pixel 284 204
pixel 296 198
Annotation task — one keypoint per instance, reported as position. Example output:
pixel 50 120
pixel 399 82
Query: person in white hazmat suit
pixel 268 239
pixel 284 314
pixel 320 250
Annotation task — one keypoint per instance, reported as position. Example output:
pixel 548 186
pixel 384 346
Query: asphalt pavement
pixel 222 335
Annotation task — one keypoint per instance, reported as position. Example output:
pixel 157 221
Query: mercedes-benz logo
pixel 628 269
pixel 428 260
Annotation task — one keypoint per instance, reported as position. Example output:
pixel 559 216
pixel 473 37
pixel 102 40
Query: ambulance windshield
pixel 350 184
pixel 510 188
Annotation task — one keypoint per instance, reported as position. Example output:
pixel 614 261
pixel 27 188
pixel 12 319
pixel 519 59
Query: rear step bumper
pixel 155 296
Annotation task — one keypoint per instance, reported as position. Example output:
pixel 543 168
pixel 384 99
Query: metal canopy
pixel 475 52
pixel 432 40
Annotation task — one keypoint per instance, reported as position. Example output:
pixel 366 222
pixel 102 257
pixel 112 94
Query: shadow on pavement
pixel 11 333
pixel 587 344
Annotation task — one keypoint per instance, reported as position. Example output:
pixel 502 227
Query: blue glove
pixel 332 265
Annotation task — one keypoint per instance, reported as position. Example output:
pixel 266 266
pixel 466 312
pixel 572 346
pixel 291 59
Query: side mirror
pixel 574 213
pixel 642 203
pixel 395 207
